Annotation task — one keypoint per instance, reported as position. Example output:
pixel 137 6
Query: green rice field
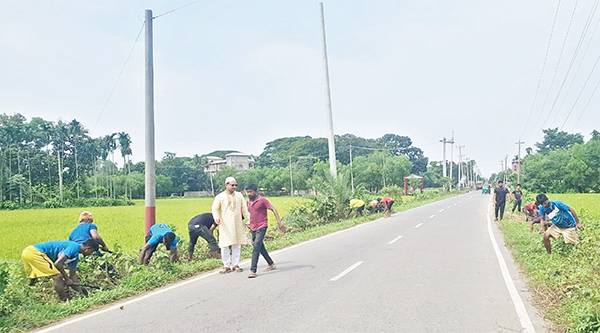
pixel 122 226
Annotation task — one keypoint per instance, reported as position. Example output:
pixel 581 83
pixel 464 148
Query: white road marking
pixel 346 271
pixel 449 207
pixel 418 225
pixel 395 240
pixel 441 210
pixel 460 202
pixel 510 285
pixel 432 216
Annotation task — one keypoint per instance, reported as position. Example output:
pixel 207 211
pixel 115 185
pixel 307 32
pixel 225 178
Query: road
pixel 429 269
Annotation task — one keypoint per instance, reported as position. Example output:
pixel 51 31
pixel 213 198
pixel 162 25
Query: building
pixel 516 166
pixel 240 161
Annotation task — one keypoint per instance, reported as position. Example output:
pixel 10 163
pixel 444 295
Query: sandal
pixel 225 270
pixel 270 268
pixel 238 269
pixel 251 275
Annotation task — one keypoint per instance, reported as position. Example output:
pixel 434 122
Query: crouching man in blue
pixel 563 218
pixel 159 233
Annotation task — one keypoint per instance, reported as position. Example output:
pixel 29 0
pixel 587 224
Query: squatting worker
pixel 85 230
pixel 357 206
pixel 228 210
pixel 500 193
pixel 564 221
pixel 257 206
pixel 48 259
pixel 388 202
pixel 159 233
pixel 203 225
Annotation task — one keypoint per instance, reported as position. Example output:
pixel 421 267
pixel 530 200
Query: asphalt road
pixel 429 269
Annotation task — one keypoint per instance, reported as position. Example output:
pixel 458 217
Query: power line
pixel 176 9
pixel 555 71
pixel 585 107
pixel 583 88
pixel 543 67
pixel 118 78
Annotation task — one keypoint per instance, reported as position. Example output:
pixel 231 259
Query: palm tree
pixel 125 146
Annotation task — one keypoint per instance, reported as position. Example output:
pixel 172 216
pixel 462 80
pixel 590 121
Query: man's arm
pixel 212 228
pixel 174 257
pixel 59 263
pixel 216 207
pixel 96 236
pixel 543 220
pixel 73 276
pixel 579 225
pixel 494 197
pixel 143 255
pixel 281 227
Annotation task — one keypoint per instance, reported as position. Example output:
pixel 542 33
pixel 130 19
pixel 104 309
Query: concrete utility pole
pixel 444 141
pixel 351 172
pixel 519 162
pixel 451 159
pixel 459 165
pixel 150 195
pixel 332 160
pixel 505 166
pixel 291 179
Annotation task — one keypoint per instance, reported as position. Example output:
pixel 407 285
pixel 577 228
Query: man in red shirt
pixel 257 206
pixel 388 201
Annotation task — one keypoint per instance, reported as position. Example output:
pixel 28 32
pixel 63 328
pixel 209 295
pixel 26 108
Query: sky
pixel 234 75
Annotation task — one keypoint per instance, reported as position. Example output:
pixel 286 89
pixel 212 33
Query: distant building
pixel 516 166
pixel 240 161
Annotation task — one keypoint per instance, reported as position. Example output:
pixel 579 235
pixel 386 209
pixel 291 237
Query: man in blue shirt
pixel 48 259
pixel 563 218
pixel 159 233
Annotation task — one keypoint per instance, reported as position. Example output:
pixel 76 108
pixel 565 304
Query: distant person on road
pixel 500 193
pixel 85 230
pixel 517 196
pixel 49 258
pixel 388 201
pixel 203 225
pixel 258 206
pixel 563 218
pixel 228 209
pixel 357 206
pixel 159 233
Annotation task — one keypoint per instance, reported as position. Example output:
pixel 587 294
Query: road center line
pixel 395 240
pixel 432 216
pixel 510 285
pixel 441 210
pixel 346 271
pixel 418 225
pixel 449 207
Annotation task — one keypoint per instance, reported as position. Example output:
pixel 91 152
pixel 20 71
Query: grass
pixel 567 282
pixel 23 307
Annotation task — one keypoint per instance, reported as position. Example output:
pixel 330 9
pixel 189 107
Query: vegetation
pixel 566 282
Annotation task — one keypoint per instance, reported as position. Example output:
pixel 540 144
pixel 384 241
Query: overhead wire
pixel 176 9
pixel 581 92
pixel 555 70
pixel 542 72
pixel 585 107
pixel 118 78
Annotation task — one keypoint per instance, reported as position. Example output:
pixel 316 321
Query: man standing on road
pixel 159 233
pixel 499 200
pixel 203 225
pixel 564 221
pixel 517 196
pixel 228 210
pixel 48 259
pixel 257 206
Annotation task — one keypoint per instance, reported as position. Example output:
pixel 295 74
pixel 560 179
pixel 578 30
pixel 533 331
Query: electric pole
pixel 444 141
pixel 150 190
pixel 451 160
pixel 332 161
pixel 519 162
pixel 291 178
pixel 459 165
pixel 351 172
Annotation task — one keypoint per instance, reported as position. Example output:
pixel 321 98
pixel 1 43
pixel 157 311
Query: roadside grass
pixel 24 307
pixel 566 283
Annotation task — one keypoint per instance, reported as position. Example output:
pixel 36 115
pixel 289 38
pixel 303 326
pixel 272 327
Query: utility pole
pixel 459 165
pixel 332 160
pixel 519 162
pixel 351 172
pixel 505 167
pixel 291 178
pixel 150 190
pixel 444 141
pixel 451 159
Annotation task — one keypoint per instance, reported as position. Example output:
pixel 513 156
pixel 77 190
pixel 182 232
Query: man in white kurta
pixel 228 209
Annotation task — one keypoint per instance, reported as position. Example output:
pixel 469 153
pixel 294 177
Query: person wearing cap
pixel 228 210
pixel 258 206
pixel 85 230
pixel 500 193
pixel 159 233
pixel 563 218
pixel 48 259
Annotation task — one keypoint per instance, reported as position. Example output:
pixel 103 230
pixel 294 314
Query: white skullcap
pixel 229 180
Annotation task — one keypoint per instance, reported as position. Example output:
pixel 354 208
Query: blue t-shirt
pixel 82 232
pixel 157 232
pixel 54 248
pixel 558 213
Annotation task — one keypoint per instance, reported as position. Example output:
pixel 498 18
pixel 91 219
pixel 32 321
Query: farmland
pixel 566 283
pixel 122 226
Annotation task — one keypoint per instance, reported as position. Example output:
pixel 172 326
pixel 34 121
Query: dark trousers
pixel 258 237
pixel 517 203
pixel 204 233
pixel 500 208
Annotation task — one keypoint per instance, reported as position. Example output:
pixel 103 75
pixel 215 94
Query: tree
pixel 553 140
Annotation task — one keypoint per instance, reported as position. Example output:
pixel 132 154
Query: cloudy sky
pixel 238 74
